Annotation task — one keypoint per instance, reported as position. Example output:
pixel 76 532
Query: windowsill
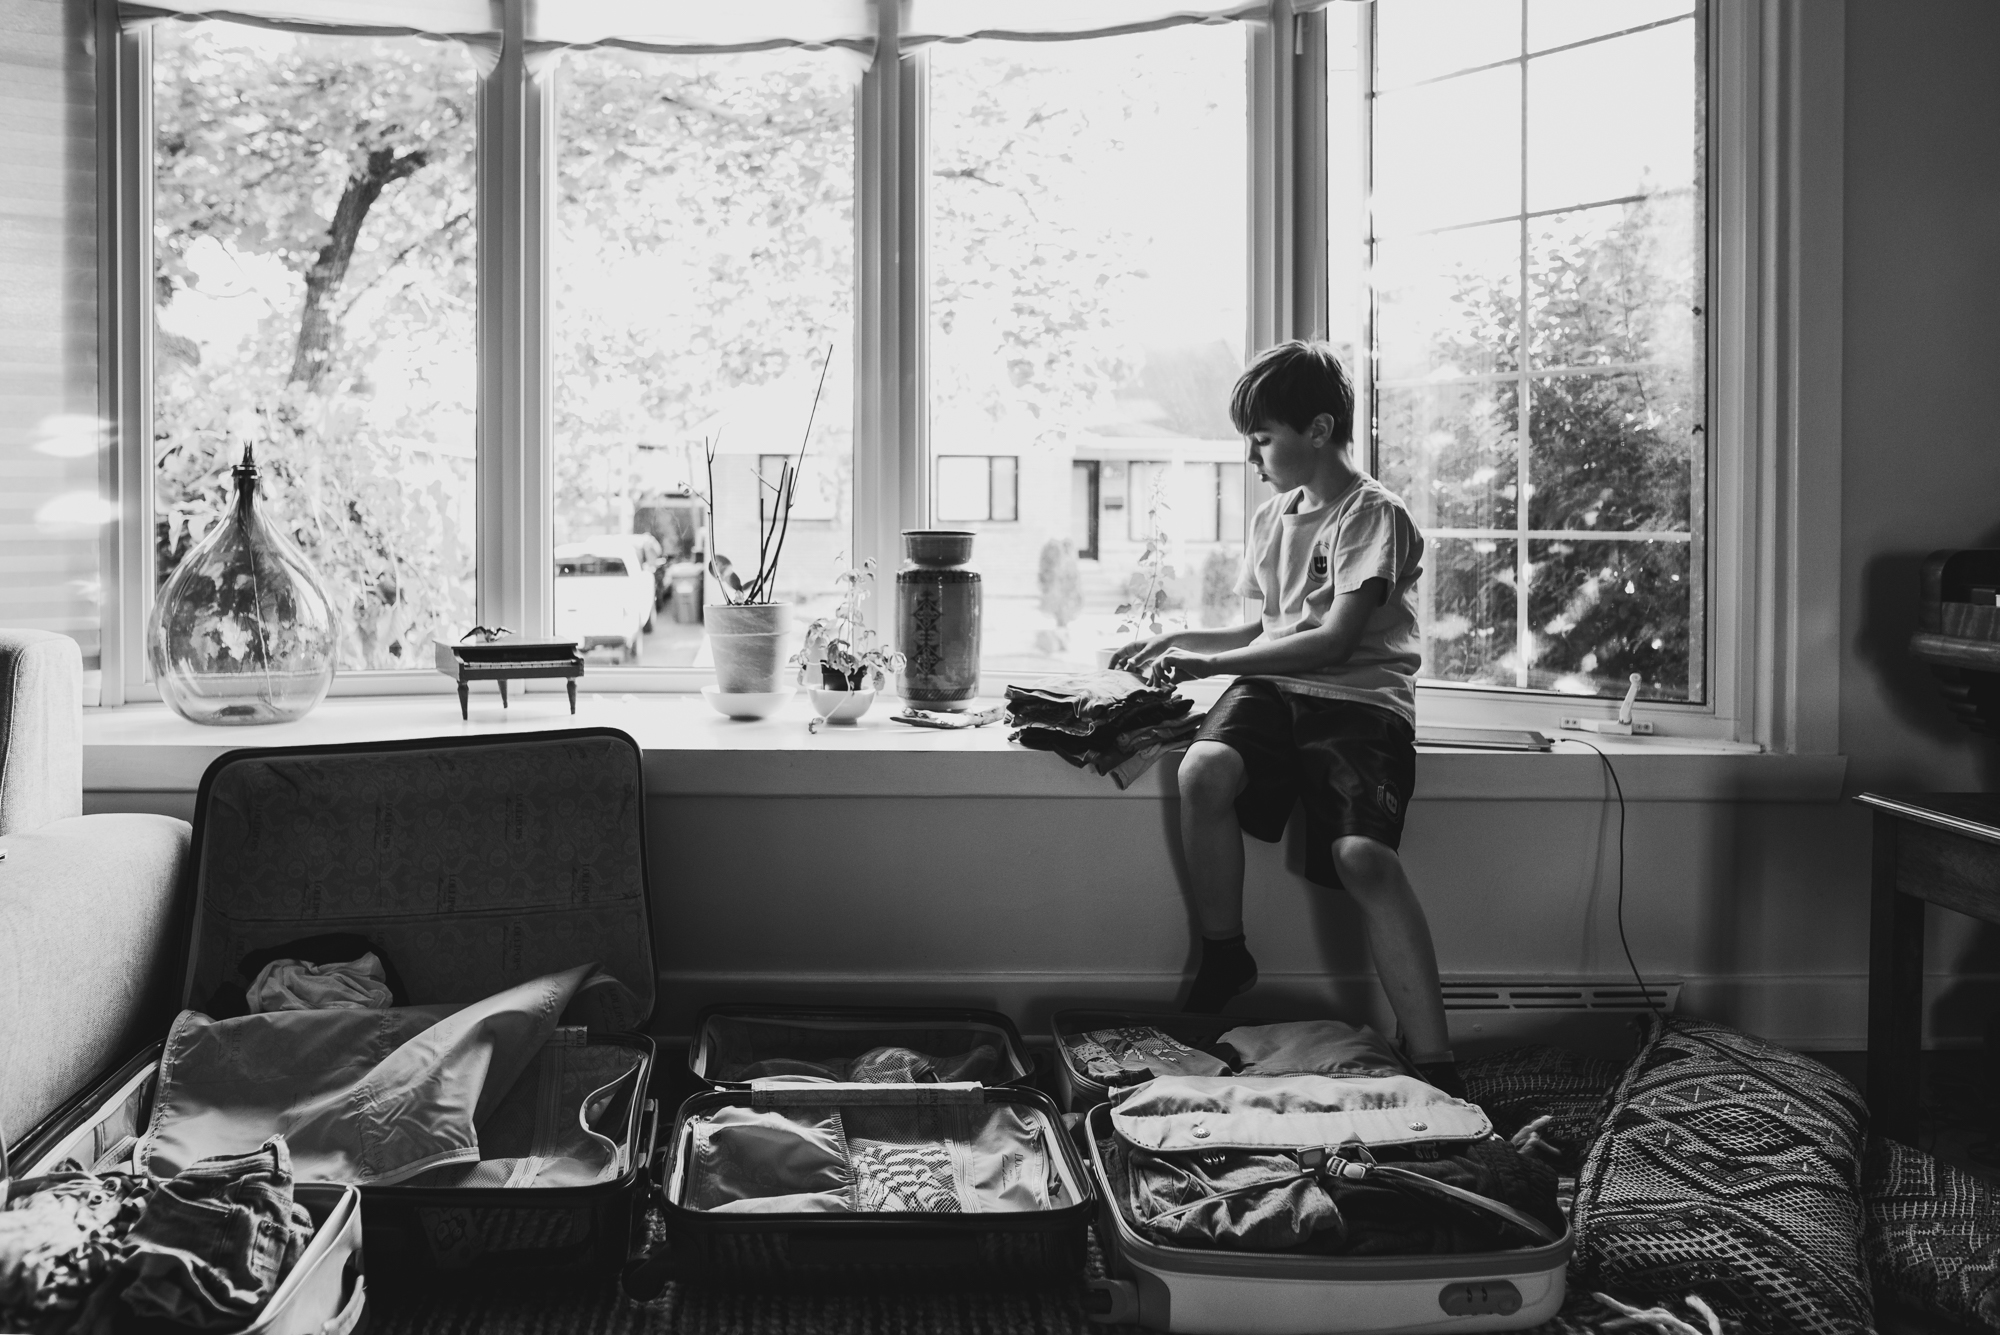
pixel 691 750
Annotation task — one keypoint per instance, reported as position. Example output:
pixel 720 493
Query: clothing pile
pixel 1109 722
pixel 1305 1136
pixel 966 1157
pixel 890 1065
pixel 498 1093
pixel 1134 1054
pixel 99 1255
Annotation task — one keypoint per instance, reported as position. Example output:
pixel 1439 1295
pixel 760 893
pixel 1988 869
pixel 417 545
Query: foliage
pixel 1613 450
pixel 1149 598
pixel 1219 599
pixel 847 653
pixel 1060 579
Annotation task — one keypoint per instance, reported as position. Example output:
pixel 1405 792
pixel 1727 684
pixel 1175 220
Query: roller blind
pixel 1071 20
pixel 52 509
pixel 701 26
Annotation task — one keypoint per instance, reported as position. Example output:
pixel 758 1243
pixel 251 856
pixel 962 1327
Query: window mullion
pixel 516 129
pixel 126 339
pixel 889 300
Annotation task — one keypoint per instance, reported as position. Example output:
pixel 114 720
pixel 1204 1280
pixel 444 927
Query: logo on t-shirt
pixel 1322 560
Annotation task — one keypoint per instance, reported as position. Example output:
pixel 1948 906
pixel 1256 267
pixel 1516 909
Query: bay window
pixel 500 277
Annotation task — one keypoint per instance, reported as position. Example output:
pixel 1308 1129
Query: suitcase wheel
pixel 645 1277
pixel 1112 1302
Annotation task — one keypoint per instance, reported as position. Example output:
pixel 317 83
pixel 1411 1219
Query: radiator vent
pixel 1543 995
pixel 1594 1015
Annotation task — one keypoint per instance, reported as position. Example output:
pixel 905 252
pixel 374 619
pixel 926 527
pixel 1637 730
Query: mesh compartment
pixel 742 1048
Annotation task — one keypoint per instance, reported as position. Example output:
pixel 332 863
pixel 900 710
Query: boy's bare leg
pixel 1211 778
pixel 1399 937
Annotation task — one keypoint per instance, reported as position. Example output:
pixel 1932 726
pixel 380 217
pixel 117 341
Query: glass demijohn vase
pixel 242 632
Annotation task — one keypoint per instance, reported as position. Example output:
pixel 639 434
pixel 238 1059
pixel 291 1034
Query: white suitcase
pixel 1213 1292
pixel 326 1292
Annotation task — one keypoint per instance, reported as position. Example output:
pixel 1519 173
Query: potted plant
pixel 842 663
pixel 748 629
pixel 1149 598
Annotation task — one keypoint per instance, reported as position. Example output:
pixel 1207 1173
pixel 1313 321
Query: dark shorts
pixel 1352 766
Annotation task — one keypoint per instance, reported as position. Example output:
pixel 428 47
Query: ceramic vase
pixel 749 641
pixel 937 619
pixel 242 631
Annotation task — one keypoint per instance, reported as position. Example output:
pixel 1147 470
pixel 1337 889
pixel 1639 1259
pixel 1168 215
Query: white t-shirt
pixel 1299 563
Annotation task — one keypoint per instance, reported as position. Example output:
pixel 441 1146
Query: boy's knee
pixel 1364 863
pixel 1211 776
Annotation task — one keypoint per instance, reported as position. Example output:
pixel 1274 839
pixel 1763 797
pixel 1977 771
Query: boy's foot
pixel 1227 970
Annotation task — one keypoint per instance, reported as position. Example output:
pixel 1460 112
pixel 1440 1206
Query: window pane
pixel 1559 22
pixel 1006 488
pixel 1466 610
pixel 1616 285
pixel 1448 304
pixel 1613 118
pixel 1448 152
pixel 964 489
pixel 1450 452
pixel 1604 610
pixel 313 216
pixel 703 265
pixel 1611 451
pixel 1087 311
pixel 1421 39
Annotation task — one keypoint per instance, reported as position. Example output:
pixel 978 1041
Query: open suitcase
pixel 1209 1291
pixel 325 1293
pixel 793 1061
pixel 473 864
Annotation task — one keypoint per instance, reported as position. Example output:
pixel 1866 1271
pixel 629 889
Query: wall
pixel 1921 411
pixel 1761 905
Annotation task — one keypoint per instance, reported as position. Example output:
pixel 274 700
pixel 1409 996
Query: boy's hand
pixel 1137 657
pixel 1182 665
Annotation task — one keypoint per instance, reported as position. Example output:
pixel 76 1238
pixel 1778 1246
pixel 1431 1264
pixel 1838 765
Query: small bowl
pixel 841 706
pixel 746 704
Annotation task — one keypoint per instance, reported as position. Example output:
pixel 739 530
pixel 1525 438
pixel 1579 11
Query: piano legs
pixel 503 692
pixel 464 700
pixel 571 684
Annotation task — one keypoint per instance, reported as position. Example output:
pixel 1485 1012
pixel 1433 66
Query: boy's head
pixel 1293 384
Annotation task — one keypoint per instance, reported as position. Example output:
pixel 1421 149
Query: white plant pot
pixel 841 706
pixel 748 642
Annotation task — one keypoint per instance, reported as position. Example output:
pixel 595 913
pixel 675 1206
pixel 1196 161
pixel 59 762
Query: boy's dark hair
pixel 1293 383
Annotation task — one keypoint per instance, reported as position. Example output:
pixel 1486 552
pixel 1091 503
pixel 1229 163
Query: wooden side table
pixel 1937 848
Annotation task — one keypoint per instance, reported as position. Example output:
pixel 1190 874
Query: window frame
pixel 993 489
pixel 1775 88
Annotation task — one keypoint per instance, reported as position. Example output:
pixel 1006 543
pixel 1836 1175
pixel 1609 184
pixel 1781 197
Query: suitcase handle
pixel 348 1319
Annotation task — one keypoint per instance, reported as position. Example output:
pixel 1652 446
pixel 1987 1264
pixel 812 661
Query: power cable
pixel 1645 993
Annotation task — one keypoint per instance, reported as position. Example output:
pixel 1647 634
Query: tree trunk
pixel 312 359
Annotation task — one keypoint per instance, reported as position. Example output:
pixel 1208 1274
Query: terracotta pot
pixel 749 641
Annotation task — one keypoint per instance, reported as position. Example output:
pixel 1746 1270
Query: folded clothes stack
pixel 1109 722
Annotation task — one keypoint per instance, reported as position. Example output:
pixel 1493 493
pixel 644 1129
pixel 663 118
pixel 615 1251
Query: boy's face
pixel 1286 457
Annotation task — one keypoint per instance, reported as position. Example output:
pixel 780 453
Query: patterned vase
pixel 937 619
pixel 242 632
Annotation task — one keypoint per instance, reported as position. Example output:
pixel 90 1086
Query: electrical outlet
pixel 1640 728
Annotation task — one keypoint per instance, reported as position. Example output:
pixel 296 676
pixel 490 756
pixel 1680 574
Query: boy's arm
pixel 1326 645
pixel 1138 656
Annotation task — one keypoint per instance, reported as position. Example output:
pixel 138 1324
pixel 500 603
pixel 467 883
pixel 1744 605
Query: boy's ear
pixel 1321 430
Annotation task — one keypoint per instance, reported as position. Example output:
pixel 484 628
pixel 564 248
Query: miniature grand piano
pixel 1958 633
pixel 495 656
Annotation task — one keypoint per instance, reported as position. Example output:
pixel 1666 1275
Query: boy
pixel 1324 705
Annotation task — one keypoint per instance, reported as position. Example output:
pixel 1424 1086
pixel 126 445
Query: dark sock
pixel 1442 1075
pixel 1226 971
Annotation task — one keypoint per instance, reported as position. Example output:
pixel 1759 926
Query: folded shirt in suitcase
pixel 486 1094
pixel 1357 1165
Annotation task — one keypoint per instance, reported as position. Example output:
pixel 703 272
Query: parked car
pixel 604 589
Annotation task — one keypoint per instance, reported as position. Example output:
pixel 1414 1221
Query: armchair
pixel 88 955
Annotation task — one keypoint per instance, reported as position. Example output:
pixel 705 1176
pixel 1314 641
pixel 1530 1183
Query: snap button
pixel 1420 1126
pixel 1201 1133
